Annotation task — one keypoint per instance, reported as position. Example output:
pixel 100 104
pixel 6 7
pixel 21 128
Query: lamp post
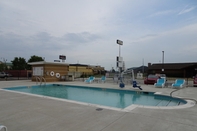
pixel 162 61
pixel 119 59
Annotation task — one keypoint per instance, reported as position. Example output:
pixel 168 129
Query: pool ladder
pixel 40 80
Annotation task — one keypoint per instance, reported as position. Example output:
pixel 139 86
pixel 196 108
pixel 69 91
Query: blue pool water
pixel 102 96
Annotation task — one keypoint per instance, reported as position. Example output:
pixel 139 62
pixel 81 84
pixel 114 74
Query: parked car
pixel 4 74
pixel 161 76
pixel 195 81
pixel 151 79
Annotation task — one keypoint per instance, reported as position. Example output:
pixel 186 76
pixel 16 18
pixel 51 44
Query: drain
pixel 99 109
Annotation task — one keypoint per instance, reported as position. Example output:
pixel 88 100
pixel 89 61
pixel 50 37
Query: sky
pixel 85 31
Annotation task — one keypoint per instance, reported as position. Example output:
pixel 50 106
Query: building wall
pixel 168 72
pixel 48 68
pixel 82 69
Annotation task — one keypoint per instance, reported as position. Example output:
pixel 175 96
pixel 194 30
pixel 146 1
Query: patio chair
pixel 3 128
pixel 179 83
pixel 160 83
pixel 90 79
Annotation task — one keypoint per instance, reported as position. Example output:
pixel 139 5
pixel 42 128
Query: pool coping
pixel 190 103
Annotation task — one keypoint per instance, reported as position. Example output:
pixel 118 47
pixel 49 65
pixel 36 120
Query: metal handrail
pixel 40 80
pixel 44 80
pixel 37 78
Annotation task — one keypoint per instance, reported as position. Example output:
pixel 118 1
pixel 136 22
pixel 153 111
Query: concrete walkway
pixel 21 112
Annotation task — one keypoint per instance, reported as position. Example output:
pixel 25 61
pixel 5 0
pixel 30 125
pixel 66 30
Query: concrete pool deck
pixel 31 113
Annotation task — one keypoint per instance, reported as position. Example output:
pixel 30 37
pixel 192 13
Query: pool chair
pixel 103 79
pixel 90 79
pixel 3 128
pixel 135 85
pixel 179 83
pixel 160 83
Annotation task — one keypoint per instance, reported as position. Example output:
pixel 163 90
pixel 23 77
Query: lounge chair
pixel 160 82
pixel 90 79
pixel 103 79
pixel 3 128
pixel 179 83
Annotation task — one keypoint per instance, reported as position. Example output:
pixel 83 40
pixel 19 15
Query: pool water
pixel 102 96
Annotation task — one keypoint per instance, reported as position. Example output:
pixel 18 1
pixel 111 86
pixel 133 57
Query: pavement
pixel 20 112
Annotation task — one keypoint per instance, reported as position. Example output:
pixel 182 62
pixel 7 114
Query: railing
pixel 40 80
pixel 44 80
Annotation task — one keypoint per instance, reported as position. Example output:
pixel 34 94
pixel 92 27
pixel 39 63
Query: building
pixel 186 70
pixel 50 71
pixel 54 71
pixel 78 70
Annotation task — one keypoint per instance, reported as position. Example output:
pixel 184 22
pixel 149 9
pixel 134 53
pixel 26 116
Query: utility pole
pixel 162 61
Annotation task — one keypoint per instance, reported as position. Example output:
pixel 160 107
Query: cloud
pixel 186 10
pixel 45 44
pixel 80 38
pixel 86 31
pixel 161 13
pixel 179 45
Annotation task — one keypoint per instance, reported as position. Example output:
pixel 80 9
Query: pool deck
pixel 20 112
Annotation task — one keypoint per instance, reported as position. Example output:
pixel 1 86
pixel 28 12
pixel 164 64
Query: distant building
pixel 141 69
pixel 174 69
pixel 82 69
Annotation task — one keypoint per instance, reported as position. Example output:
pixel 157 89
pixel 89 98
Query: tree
pixel 19 63
pixel 3 66
pixel 34 58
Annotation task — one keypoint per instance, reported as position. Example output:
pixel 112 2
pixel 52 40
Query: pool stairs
pixel 40 80
pixel 168 103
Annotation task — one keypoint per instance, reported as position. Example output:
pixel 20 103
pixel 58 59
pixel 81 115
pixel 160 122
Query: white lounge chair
pixel 179 83
pixel 103 79
pixel 160 82
pixel 90 79
pixel 3 128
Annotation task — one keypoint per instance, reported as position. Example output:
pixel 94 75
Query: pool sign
pixel 119 42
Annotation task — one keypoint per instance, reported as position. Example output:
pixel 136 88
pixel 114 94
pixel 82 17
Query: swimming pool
pixel 101 96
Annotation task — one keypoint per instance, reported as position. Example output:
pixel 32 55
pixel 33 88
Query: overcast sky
pixel 86 30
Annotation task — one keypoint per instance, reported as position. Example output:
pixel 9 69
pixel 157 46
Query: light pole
pixel 162 60
pixel 120 62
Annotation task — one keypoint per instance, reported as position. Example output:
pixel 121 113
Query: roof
pixel 175 66
pixel 44 62
pixel 78 65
